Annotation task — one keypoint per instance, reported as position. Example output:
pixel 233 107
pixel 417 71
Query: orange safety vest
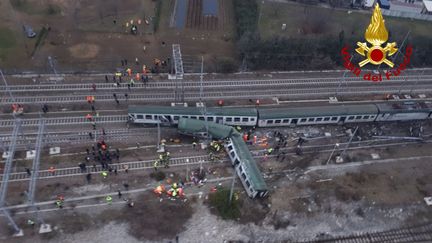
pixel 89 117
pixel 137 76
pixel 257 102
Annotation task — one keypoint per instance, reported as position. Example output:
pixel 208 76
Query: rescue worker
pixel 104 174
pixel 155 165
pixel 194 144
pixel 108 199
pixel 59 203
pixel 270 150
pixel 30 222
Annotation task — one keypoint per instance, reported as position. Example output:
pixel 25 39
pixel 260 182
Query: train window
pixel 351 118
pixel 210 118
pixel 193 117
pixel 244 176
pixel 185 117
pixel 303 120
pixel 148 116
pixel 294 121
pixel 285 121
pixel 334 118
pixel 319 119
pixel 269 121
pixel 201 118
pixel 252 119
pixel 229 119
pixel 245 119
pixel 176 118
pixel 247 183
pixel 326 118
pixel 372 117
pixel 240 168
pixel 140 116
pixel 358 117
pixel 365 117
pixel 278 121
pixel 311 119
pixel 232 154
pixel 236 119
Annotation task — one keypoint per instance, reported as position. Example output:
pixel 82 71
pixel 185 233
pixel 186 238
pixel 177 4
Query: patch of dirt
pixel 151 219
pixel 253 211
pixel 84 50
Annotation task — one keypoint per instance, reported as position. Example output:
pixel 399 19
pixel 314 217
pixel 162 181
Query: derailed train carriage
pixel 285 116
pixel 241 158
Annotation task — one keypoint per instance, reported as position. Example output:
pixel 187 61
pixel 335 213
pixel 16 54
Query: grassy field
pixel 310 21
pixel 7 42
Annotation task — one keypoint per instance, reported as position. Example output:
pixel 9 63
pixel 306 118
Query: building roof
pixel 428 5
pixel 192 126
pixel 248 162
pixel 406 107
pixel 222 111
pixel 317 111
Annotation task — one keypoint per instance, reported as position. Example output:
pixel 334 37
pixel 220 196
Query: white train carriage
pixel 404 111
pixel 246 167
pixel 171 115
pixel 334 114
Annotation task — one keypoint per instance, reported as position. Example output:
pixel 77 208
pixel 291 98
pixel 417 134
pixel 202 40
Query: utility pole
pixel 45 228
pixel 202 104
pixel 7 87
pixel 342 80
pixel 336 146
pixel 51 63
pixel 232 189
pixel 349 142
pixel 6 173
pixel 178 69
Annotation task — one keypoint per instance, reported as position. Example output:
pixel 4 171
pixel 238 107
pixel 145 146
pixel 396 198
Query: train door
pixel 219 120
pixel 342 119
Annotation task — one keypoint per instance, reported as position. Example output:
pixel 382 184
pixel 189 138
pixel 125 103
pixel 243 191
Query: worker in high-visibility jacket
pixel 108 199
pixel 104 174
pixel 155 165
pixel 270 150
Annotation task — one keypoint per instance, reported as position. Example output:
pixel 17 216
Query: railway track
pixel 245 93
pixel 63 121
pixel 194 160
pixel 134 165
pixel 73 138
pixel 211 84
pixel 420 233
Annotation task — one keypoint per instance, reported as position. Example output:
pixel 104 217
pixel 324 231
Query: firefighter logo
pixel 376 34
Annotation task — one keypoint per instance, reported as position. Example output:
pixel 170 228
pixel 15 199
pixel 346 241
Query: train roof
pixel 249 163
pixel 192 126
pixel 217 111
pixel 406 107
pixel 316 111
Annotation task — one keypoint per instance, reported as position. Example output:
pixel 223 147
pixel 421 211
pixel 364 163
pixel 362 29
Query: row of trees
pixel 323 52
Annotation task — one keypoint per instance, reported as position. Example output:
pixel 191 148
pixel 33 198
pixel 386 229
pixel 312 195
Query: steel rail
pixel 148 164
pixel 223 94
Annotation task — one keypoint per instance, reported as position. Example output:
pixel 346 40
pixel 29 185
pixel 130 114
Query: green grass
pixel 220 201
pixel 318 21
pixel 7 41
